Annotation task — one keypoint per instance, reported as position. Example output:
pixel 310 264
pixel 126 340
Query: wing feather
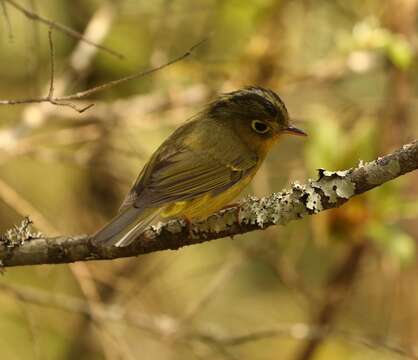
pixel 178 171
pixel 168 185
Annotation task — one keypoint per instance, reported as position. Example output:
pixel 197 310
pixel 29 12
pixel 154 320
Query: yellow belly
pixel 205 205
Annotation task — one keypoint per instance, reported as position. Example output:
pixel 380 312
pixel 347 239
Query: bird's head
pixel 257 115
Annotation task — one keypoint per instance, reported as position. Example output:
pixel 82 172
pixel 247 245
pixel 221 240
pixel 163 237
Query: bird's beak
pixel 294 131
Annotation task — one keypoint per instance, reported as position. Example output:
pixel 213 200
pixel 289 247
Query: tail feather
pixel 124 228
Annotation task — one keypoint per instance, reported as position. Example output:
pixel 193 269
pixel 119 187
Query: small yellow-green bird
pixel 204 164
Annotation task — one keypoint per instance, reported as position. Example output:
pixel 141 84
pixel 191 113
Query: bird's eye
pixel 260 126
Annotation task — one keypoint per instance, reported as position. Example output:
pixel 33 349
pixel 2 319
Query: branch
pixel 7 18
pixel 331 190
pixel 164 326
pixel 62 100
pixel 62 28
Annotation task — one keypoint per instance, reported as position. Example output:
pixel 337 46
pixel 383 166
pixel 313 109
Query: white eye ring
pixel 260 126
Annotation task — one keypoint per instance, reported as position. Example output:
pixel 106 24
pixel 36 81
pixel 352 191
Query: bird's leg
pixel 189 226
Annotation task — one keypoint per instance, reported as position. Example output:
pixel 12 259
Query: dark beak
pixel 294 131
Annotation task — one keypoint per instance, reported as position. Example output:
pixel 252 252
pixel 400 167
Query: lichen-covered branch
pixel 332 189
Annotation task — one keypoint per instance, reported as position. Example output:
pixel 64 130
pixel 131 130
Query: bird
pixel 204 164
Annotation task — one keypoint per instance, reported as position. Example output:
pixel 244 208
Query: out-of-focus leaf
pixel 394 241
pixel 337 148
pixel 369 34
pixel 399 51
pixel 324 138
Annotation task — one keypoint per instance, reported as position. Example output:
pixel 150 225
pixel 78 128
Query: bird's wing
pixel 185 176
pixel 178 173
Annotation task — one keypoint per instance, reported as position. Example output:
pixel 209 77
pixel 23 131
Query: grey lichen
pixel 313 200
pixel 334 185
pixel 327 173
pixel 19 234
pixel 279 208
pixel 215 223
pixel 173 226
pixel 407 147
pixel 300 200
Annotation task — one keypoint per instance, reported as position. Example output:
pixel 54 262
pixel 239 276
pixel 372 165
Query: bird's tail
pixel 125 227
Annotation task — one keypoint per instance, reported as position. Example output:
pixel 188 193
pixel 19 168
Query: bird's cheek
pixel 268 144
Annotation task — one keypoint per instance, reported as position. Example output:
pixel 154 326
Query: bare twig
pixel 7 18
pixel 32 329
pixel 85 93
pixel 80 270
pixel 165 326
pixel 212 287
pixel 302 331
pixel 60 100
pixel 97 28
pixel 89 288
pixel 145 106
pixel 23 207
pixel 331 190
pixel 52 64
pixel 145 322
pixel 60 27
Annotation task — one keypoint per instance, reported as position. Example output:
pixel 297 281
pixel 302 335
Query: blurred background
pixel 339 285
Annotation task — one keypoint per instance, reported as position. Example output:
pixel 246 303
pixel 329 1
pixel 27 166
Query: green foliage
pixel 394 241
pixel 370 35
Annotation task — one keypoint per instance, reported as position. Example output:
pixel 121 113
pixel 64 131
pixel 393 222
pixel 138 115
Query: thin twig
pixel 80 270
pixel 212 287
pixel 62 28
pixel 32 329
pixel 90 290
pixel 36 50
pixel 158 325
pixel 85 93
pixel 7 18
pixel 52 64
pixel 13 199
pixel 81 57
pixel 302 331
pixel 61 100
